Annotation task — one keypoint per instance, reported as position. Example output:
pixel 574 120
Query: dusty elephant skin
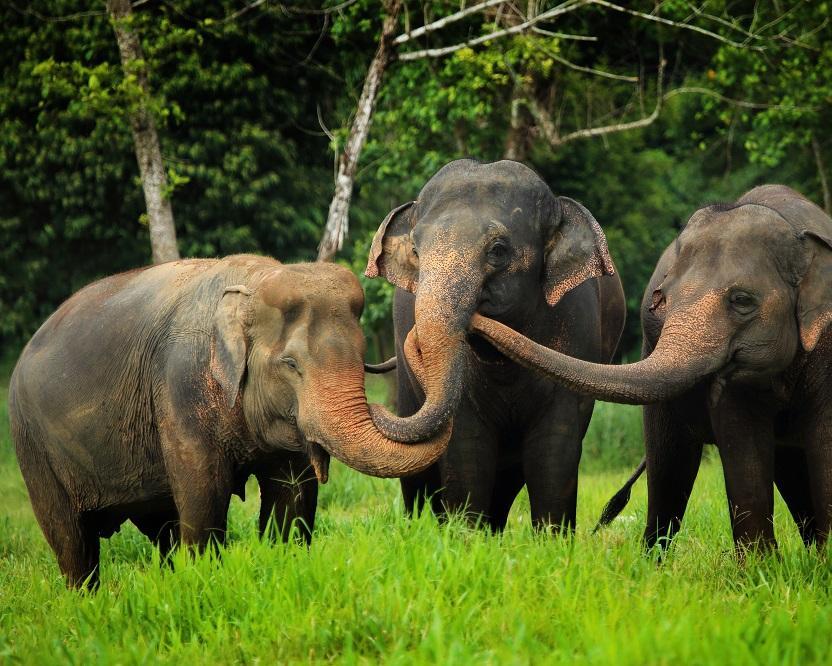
pixel 492 238
pixel 737 352
pixel 152 395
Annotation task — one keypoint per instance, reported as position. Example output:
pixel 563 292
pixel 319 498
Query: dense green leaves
pixel 245 98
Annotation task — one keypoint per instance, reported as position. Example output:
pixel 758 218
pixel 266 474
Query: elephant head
pixel 288 349
pixel 745 287
pixel 488 238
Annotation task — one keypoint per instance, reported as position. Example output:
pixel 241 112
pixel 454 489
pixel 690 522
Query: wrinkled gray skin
pixel 492 238
pixel 152 395
pixel 736 352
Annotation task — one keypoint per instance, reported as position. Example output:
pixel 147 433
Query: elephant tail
pixel 380 368
pixel 619 500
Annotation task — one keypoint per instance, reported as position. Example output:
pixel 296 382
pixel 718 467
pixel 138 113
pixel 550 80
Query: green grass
pixel 377 587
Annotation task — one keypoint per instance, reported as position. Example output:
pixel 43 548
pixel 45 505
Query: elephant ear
pixel 814 299
pixel 575 252
pixel 228 345
pixel 391 254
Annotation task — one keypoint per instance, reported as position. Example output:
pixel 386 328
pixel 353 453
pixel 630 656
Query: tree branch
pixel 441 23
pixel 550 132
pixel 677 24
pixel 564 35
pixel 569 6
pixel 589 70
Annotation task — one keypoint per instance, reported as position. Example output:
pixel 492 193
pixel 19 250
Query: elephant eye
pixel 743 302
pixel 290 362
pixel 497 254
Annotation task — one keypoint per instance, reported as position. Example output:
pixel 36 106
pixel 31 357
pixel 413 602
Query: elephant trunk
pixel 682 357
pixel 439 340
pixel 344 425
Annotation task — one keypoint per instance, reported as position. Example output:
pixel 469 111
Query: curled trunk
pixel 677 363
pixel 440 368
pixel 345 428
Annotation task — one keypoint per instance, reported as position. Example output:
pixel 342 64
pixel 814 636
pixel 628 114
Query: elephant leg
pixel 419 488
pixel 791 475
pixel 819 459
pixel 201 482
pixel 673 458
pixel 469 466
pixel 551 455
pixel 71 534
pixel 161 527
pixel 508 484
pixel 288 496
pixel 426 485
pixel 744 435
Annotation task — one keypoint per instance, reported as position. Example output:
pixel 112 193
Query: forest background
pixel 641 110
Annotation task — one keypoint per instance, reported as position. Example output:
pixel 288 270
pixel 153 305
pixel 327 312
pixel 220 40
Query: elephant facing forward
pixel 492 238
pixel 737 352
pixel 152 395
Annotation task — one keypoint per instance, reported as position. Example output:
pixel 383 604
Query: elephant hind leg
pixel 508 484
pixel 72 535
pixel 791 475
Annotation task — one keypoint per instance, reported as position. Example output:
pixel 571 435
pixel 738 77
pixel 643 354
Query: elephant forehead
pixel 324 284
pixel 493 196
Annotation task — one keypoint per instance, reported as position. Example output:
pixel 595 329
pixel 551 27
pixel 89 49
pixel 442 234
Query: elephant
pixel 493 238
pixel 152 395
pixel 737 353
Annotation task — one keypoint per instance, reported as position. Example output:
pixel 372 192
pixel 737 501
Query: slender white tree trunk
pixel 337 222
pixel 145 137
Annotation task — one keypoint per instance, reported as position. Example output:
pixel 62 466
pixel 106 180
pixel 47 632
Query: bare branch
pixel 589 70
pixel 550 134
pixel 564 35
pixel 243 10
pixel 677 24
pixel 569 6
pixel 441 23
pixel 56 19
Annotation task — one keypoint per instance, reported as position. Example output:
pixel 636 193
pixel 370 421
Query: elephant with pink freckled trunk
pixel 153 395
pixel 493 239
pixel 737 352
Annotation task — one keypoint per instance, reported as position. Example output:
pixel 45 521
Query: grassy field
pixel 377 587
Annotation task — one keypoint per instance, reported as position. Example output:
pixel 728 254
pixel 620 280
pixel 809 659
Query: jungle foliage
pixel 252 100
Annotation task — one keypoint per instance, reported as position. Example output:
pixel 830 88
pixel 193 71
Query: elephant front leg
pixel 468 468
pixel 745 438
pixel 673 458
pixel 201 481
pixel 288 496
pixel 551 455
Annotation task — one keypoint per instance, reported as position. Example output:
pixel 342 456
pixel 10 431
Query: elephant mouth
pixel 484 351
pixel 319 458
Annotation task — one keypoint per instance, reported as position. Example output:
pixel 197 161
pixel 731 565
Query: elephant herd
pixel 153 395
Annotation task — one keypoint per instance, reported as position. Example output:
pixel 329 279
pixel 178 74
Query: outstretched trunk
pixel 678 362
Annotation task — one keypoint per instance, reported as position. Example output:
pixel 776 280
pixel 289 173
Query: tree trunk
pixel 145 137
pixel 824 184
pixel 337 221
